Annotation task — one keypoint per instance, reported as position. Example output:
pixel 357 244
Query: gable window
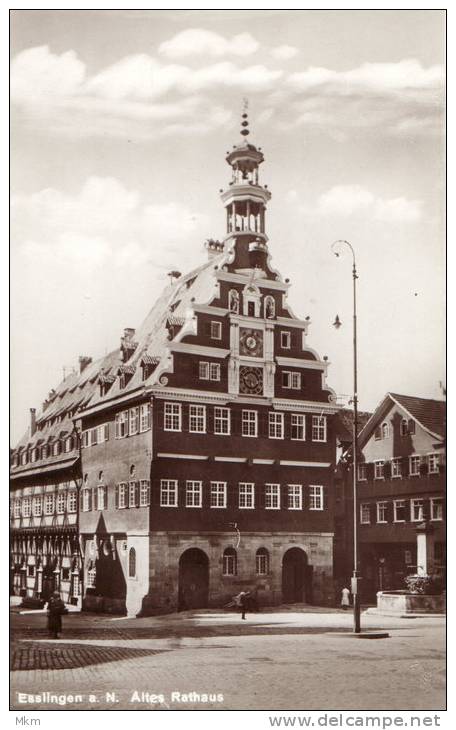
pixel 249 423
pixel 193 494
pixel 34 455
pixel 285 340
pixel 379 469
pixel 385 430
pixel 133 421
pixel 298 427
pixel 262 561
pixel 44 452
pixel 315 498
pixel 362 472
pixel 144 417
pixel 318 428
pixel 49 504
pixel 378 433
pixel 229 561
pixel 291 380
pixel 168 493
pixel 216 330
pixel 222 425
pixel 414 466
pixel 365 514
pixel 197 419
pixel 61 502
pixel 132 563
pixel 404 427
pixel 396 467
pixel 433 463
pixel 204 371
pixel 218 494
pixel 400 510
pixel 122 495
pixel 246 495
pixel 121 424
pixel 382 508
pixel 173 417
pixel 272 496
pixel 144 493
pixel 295 496
pixel 56 448
pixel 275 425
pixel 411 426
pixel 436 509
pixel 417 510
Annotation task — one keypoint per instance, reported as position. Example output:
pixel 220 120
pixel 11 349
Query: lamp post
pixel 355 578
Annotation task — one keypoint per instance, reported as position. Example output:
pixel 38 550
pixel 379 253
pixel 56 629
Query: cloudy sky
pixel 120 124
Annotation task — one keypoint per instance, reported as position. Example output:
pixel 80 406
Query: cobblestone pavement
pixel 281 659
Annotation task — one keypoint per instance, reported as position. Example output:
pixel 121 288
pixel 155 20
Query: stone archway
pixel 294 576
pixel 193 579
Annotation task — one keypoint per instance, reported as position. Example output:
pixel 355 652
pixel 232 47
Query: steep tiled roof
pixel 431 414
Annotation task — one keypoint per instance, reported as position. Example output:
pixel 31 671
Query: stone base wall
pixel 166 549
pixel 410 603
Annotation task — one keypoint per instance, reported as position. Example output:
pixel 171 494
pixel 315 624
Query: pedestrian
pixel 345 600
pixel 245 603
pixel 55 610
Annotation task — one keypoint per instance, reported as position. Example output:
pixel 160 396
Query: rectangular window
pixel 411 426
pixel 68 446
pixel 382 511
pixel 214 371
pixel 416 510
pixel 49 504
pixel 218 494
pixel 122 495
pixel 362 472
pixel 365 514
pixel 246 495
pixel 93 437
pixel 85 439
pixel 216 330
pixel 414 466
pixel 144 417
pixel 168 493
pixel 101 497
pixel 204 371
pixel 222 425
pixel 197 419
pixel 318 428
pixel 72 501
pixel 61 503
pixel 86 499
pixel 285 340
pixel 433 463
pixel 193 494
pixel 173 417
pixel 315 498
pixel 275 425
pixel 102 433
pixel 291 380
pixel 400 511
pixel 144 493
pixel 436 509
pixel 17 508
pixel 379 469
pixel 250 423
pixel 295 496
pixel 133 421
pixel 396 467
pixel 272 496
pixel 132 494
pixel 37 506
pixel 121 425
pixel 91 577
pixel 298 427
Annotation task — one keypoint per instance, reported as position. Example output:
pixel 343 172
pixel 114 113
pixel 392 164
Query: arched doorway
pixel 193 579
pixel 294 576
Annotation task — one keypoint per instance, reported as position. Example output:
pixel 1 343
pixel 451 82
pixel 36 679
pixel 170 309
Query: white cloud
pixel 398 209
pixel 197 41
pixel 284 53
pixel 35 72
pixel 348 200
pixel 344 200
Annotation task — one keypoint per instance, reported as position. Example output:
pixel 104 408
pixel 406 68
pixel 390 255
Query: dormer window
pixel 44 452
pixel 385 430
pixel 404 427
pixel 125 373
pixel 148 365
pixel 68 444
pixel 24 458
pixel 56 448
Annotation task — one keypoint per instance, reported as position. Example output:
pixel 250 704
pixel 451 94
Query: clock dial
pixel 251 380
pixel 251 342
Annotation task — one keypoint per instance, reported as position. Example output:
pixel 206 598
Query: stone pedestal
pixel 424 549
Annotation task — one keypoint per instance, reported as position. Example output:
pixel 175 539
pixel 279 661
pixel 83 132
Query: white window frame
pixel 414 503
pixel 399 504
pixel 362 472
pixel 379 469
pixel 262 562
pixel 193 494
pixel 218 494
pixel 385 430
pixel 103 433
pixel 298 422
pixel 144 417
pixel 414 459
pixel 319 429
pixel 229 562
pixel 291 379
pixel 216 330
pixel 214 371
pixel 49 504
pixel 101 497
pixel 436 502
pixel 60 507
pixel 396 473
pixel 404 427
pixel 434 459
pixel 276 425
pixel 37 506
pixel 133 421
pixel 382 512
pixel 197 419
pixel 86 492
pixel 122 495
pixel 364 513
pixel 316 497
pixel 121 424
pixel 285 340
pixel 132 486
pixel 17 509
pixel 169 492
pixel 272 496
pixel 249 419
pixel 72 503
pixel 246 495
pixel 222 421
pixel 68 445
pixel 144 493
pixel 294 494
pixel 203 370
pixel 172 416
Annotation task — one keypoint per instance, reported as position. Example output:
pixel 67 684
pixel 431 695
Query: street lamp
pixel 356 605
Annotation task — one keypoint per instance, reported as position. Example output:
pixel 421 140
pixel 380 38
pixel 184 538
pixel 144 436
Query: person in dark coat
pixel 55 609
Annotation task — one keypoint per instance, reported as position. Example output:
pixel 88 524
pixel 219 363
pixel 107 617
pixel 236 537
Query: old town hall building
pixel 202 450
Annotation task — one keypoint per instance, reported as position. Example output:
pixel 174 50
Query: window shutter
pixel 94 498
pixel 81 500
pixel 370 470
pixel 117 496
pixel 260 495
pixel 389 512
pixel 106 496
pixel 325 498
pixel 155 493
pixel 89 492
pixel 106 432
pixel 209 419
pixel 405 466
pixel 207 329
pixel 423 466
pixel 387 470
pixel 137 495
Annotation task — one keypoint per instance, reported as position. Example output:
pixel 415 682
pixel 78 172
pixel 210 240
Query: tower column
pixel 248 215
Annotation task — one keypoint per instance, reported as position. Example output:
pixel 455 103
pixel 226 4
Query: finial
pixel 245 118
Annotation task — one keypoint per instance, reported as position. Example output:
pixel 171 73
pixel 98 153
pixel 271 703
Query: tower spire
pixel 245 118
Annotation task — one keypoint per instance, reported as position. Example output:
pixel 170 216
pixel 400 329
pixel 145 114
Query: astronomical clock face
pixel 251 342
pixel 251 380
